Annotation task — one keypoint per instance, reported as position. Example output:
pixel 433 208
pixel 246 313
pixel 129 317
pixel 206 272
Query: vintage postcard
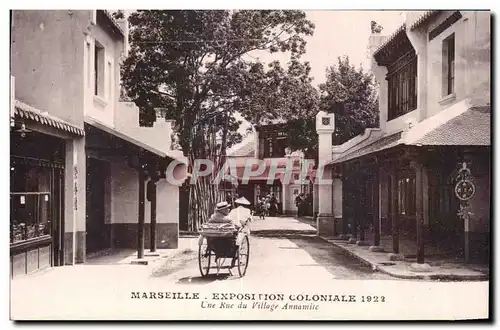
pixel 250 165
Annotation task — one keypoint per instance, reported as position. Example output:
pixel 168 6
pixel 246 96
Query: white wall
pixel 101 108
pixel 472 68
pixel 167 206
pixel 472 64
pixel 125 197
pixel 125 193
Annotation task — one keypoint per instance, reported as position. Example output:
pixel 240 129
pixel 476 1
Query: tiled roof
pixel 401 29
pixel 378 144
pixel 246 150
pixel 473 127
pixel 22 110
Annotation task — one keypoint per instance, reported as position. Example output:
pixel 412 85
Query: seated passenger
pixel 221 213
pixel 241 214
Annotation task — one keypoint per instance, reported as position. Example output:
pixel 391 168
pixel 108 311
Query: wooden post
pixel 345 204
pixel 376 205
pixel 355 202
pixel 153 218
pixel 419 210
pixel 361 205
pixel 394 211
pixel 140 229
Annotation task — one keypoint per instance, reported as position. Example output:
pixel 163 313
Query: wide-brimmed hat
pixel 242 201
pixel 222 206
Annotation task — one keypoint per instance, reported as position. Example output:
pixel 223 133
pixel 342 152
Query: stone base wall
pixel 326 225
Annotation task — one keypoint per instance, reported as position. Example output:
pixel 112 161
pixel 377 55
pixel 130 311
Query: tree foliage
pixel 195 64
pixel 351 94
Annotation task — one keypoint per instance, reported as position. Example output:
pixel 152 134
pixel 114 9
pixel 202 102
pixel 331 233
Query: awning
pixel 383 142
pixel 470 128
pixel 459 125
pixel 24 111
pixel 130 139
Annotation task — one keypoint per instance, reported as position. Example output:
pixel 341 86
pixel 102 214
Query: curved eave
pixel 424 18
pixel 387 42
pixel 24 111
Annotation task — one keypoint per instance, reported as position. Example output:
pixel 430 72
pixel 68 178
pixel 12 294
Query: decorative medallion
pixel 325 121
pixel 465 187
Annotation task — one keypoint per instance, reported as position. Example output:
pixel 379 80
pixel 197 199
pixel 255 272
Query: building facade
pixel 270 146
pixel 424 177
pixel 80 163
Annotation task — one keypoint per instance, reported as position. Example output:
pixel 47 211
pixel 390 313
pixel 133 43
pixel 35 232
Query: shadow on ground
pixel 307 220
pixel 335 260
pixel 283 233
pixel 199 280
pixel 203 280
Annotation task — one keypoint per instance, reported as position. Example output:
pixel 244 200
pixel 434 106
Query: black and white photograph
pixel 250 164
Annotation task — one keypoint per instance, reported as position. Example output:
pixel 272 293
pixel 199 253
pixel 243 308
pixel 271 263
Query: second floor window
pixel 449 65
pixel 402 85
pixel 99 70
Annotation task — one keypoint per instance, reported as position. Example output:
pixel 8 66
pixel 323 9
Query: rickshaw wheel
pixel 204 256
pixel 243 256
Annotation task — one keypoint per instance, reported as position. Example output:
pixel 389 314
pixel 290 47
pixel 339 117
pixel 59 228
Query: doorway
pixel 96 231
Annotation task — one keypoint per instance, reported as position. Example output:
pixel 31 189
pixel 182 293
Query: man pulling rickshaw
pixel 225 236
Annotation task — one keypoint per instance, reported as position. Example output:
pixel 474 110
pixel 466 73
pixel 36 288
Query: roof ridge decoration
pixel 423 18
pixel 26 111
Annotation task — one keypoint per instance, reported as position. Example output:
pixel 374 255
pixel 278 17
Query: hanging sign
pixel 465 188
pixel 22 200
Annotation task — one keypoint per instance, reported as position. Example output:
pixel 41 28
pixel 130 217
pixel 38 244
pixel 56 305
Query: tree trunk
pixel 204 194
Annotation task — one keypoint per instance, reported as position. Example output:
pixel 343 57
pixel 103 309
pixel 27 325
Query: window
pixel 30 200
pixel 99 70
pixel 449 65
pixel 402 84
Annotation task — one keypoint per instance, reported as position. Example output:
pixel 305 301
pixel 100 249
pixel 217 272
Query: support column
pixel 325 126
pixel 345 207
pixel 353 199
pixel 152 194
pixel 393 200
pixel 361 207
pixel 376 210
pixel 74 236
pixel 284 197
pixel 420 172
pixel 140 229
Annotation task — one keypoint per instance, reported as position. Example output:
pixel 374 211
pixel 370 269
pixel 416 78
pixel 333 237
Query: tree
pixel 375 27
pixel 350 94
pixel 194 63
pixel 119 14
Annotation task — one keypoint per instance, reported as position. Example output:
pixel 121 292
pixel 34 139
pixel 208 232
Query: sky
pixel 337 33
pixel 340 33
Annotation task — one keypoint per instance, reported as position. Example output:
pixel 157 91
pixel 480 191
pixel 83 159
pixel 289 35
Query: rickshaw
pixel 218 243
